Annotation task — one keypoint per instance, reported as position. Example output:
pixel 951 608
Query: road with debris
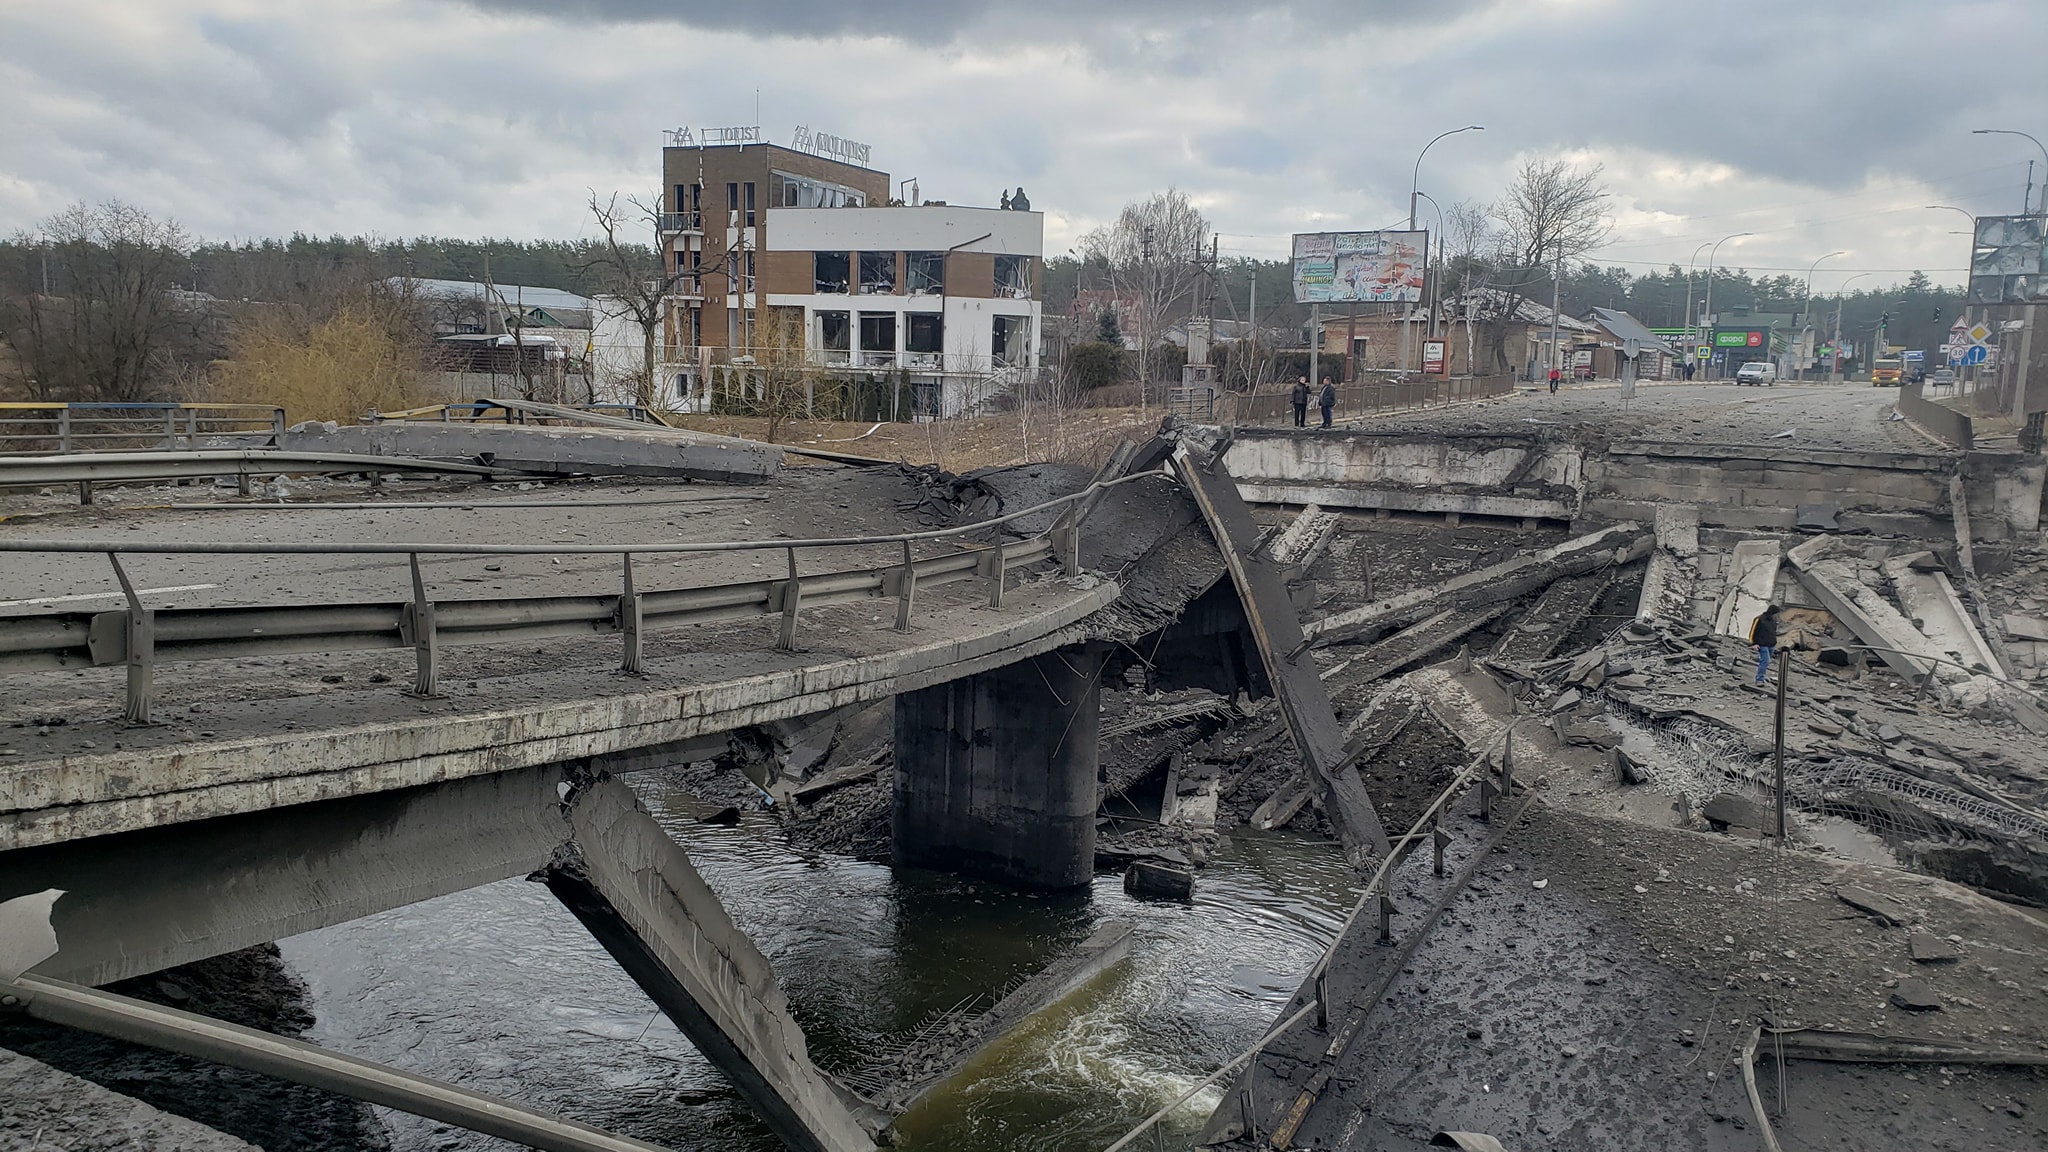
pixel 1855 417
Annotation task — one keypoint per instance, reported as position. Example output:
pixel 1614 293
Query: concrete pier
pixel 995 773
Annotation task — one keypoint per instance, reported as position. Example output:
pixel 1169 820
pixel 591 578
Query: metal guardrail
pixel 88 469
pixel 1387 396
pixel 506 411
pixel 139 637
pixel 66 428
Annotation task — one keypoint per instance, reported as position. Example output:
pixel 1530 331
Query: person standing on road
pixel 1301 401
pixel 1763 634
pixel 1553 381
pixel 1328 400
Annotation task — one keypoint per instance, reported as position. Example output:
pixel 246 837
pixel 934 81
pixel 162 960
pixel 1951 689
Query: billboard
pixel 1359 267
pixel 2006 266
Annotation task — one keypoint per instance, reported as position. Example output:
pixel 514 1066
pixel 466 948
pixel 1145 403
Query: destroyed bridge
pixel 221 759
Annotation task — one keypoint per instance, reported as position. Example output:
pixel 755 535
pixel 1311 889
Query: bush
pixel 1095 365
pixel 335 369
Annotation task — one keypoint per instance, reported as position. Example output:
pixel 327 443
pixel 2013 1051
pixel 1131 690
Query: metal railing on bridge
pixel 139 637
pixel 1373 396
pixel 64 429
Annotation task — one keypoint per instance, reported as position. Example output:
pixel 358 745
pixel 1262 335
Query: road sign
pixel 1975 354
pixel 1979 332
pixel 1703 353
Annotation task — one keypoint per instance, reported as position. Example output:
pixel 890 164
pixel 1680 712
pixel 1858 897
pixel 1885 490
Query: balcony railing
pixel 673 223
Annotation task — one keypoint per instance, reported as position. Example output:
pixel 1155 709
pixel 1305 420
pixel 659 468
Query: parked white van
pixel 1757 372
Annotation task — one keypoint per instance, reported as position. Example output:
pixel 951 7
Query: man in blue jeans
pixel 1764 635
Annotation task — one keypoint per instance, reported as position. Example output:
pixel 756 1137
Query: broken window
pixel 878 339
pixel 927 273
pixel 1010 341
pixel 832 272
pixel 1013 277
pixel 926 333
pixel 834 330
pixel 789 194
pixel 877 273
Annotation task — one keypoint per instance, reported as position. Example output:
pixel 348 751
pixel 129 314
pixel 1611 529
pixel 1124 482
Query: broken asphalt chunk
pixel 1915 996
pixel 1884 909
pixel 1927 948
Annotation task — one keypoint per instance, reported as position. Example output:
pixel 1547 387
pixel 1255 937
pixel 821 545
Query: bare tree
pixel 637 276
pixel 1152 251
pixel 1551 213
pixel 106 322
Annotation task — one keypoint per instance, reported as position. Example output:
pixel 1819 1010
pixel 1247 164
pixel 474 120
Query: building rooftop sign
pixel 708 137
pixel 829 146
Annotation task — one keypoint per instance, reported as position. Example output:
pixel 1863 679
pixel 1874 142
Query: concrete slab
pixel 640 896
pixel 1752 581
pixel 558 451
pixel 1938 614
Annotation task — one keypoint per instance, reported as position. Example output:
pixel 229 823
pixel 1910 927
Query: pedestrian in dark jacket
pixel 1328 400
pixel 1764 636
pixel 1301 402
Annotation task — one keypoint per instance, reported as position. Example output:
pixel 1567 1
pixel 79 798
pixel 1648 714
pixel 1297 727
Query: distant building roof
pixel 505 295
pixel 1626 327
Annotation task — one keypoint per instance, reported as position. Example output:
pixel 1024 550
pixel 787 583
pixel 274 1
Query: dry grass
pixel 1078 436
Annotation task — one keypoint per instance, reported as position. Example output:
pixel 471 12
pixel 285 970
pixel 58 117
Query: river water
pixel 500 989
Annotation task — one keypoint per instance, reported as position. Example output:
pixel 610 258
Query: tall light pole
pixel 1806 312
pixel 1711 253
pixel 1436 304
pixel 1415 178
pixel 2044 156
pixel 1839 291
pixel 1414 184
pixel 1691 336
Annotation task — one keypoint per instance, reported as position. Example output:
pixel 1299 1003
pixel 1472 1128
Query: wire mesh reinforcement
pixel 1698 760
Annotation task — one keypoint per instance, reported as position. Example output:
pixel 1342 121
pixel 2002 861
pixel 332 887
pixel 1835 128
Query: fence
pixel 1382 396
pixel 139 637
pixel 33 429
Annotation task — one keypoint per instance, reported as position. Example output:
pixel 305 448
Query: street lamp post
pixel 1691 335
pixel 1414 186
pixel 1836 372
pixel 1435 303
pixel 1711 252
pixel 1806 312
pixel 2044 156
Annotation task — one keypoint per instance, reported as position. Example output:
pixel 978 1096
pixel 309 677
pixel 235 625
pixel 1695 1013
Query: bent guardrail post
pixel 906 590
pixel 792 599
pixel 140 637
pixel 629 621
pixel 995 569
pixel 419 617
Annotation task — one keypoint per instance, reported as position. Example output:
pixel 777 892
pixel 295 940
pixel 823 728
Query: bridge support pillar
pixel 996 773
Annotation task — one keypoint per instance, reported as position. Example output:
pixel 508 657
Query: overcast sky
pixel 1815 124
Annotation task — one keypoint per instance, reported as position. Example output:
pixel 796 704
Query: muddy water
pixel 500 989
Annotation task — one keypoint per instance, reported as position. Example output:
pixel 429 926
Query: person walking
pixel 1553 381
pixel 1328 399
pixel 1301 401
pixel 1763 635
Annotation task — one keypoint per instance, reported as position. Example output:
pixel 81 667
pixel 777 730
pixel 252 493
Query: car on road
pixel 1757 372
pixel 1941 378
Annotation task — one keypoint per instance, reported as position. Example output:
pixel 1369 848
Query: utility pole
pixel 1556 289
pixel 1839 293
pixel 1778 751
pixel 1710 282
